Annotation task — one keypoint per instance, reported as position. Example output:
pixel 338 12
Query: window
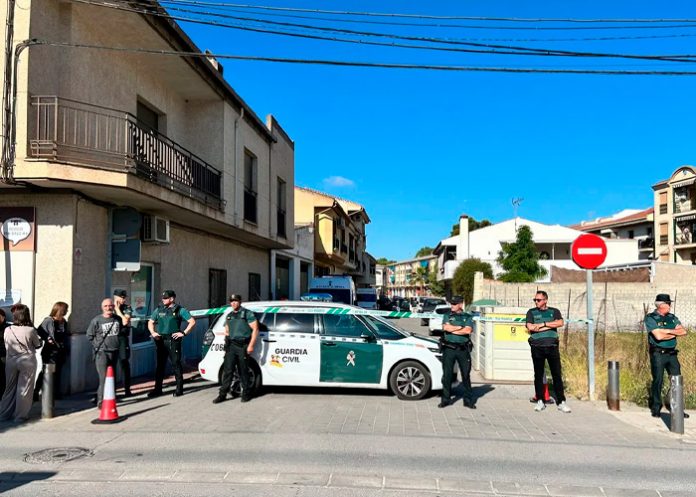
pixel 143 302
pixel 250 192
pixel 254 286
pixel 292 323
pixel 148 116
pixel 281 208
pixel 217 288
pixel 664 236
pixel 344 326
pixel 630 234
pixel 382 329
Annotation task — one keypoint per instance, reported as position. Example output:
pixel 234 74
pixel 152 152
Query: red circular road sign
pixel 589 251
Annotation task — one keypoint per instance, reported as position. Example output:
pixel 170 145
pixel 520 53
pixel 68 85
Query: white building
pixel 292 268
pixel 553 243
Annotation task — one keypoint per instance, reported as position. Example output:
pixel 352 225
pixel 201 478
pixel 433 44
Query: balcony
pixel 69 131
pixel 646 244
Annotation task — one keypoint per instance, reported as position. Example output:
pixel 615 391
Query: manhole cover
pixel 62 454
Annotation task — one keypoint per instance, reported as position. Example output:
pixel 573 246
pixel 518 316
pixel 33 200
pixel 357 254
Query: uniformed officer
pixel 542 324
pixel 165 328
pixel 663 329
pixel 125 312
pixel 241 332
pixel 457 326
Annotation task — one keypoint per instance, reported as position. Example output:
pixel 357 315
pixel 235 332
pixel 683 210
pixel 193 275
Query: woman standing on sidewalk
pixel 55 332
pixel 21 342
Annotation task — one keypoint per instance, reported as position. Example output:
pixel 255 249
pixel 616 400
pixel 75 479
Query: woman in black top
pixel 55 332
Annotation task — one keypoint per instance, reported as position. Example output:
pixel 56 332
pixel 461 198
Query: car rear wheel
pixel 410 380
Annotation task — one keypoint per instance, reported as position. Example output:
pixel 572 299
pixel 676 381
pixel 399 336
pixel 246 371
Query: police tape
pixel 354 311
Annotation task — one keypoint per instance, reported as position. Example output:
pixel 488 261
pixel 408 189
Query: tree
pixel 435 287
pixel 423 251
pixel 463 279
pixel 520 259
pixel 383 261
pixel 473 226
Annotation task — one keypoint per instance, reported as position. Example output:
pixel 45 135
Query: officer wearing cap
pixel 241 332
pixel 457 326
pixel 165 328
pixel 125 312
pixel 663 329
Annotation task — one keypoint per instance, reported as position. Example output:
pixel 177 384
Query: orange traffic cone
pixel 547 397
pixel 108 413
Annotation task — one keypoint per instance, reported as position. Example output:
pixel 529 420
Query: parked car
pixel 305 346
pixel 384 303
pixel 429 305
pixel 435 324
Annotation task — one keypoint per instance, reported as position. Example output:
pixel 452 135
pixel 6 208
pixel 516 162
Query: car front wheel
pixel 410 380
pixel 254 379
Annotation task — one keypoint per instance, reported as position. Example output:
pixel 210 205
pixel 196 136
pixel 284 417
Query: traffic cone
pixel 547 396
pixel 108 413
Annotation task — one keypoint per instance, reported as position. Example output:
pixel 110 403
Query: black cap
pixel 235 296
pixel 663 297
pixel 120 293
pixel 168 293
pixel 456 299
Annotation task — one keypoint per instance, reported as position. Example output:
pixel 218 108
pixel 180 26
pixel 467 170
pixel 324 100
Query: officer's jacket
pixel 457 319
pixel 655 320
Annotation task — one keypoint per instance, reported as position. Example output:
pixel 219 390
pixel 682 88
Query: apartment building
pixel 134 171
pixel 409 278
pixel 628 224
pixel 675 217
pixel 340 241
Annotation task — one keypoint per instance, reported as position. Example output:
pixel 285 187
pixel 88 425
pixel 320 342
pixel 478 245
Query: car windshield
pixel 383 329
pixel 433 302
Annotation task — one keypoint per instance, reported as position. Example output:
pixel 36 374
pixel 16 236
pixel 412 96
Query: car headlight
pixel 208 338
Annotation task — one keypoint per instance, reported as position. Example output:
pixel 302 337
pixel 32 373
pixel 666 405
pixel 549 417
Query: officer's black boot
pixel 219 398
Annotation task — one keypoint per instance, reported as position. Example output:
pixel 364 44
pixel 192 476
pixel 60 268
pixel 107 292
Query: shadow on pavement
pixel 11 480
pixel 142 411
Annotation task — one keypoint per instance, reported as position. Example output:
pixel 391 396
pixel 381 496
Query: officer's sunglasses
pixel 538 300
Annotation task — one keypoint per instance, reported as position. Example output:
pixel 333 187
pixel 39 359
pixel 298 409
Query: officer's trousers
pixel 658 364
pixel 124 361
pixel 236 357
pixel 463 358
pixel 102 361
pixel 168 348
pixel 540 355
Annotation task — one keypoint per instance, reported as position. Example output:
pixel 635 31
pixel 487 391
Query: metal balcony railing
pixel 75 132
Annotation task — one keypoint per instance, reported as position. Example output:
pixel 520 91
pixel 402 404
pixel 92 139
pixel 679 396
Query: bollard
pixel 47 391
pixel 613 386
pixel 676 404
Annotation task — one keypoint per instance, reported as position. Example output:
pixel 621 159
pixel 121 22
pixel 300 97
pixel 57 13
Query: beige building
pixel 675 217
pixel 134 171
pixel 340 241
pixel 409 278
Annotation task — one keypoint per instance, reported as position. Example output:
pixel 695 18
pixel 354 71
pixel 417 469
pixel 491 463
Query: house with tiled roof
pixel 628 224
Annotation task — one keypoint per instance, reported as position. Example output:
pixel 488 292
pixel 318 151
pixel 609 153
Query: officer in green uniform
pixel 663 329
pixel 542 324
pixel 125 312
pixel 165 328
pixel 241 332
pixel 457 326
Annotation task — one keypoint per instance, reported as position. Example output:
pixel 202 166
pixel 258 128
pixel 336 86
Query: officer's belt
pixel 239 340
pixel 662 351
pixel 455 345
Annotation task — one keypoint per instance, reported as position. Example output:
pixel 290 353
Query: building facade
pixel 409 278
pixel 340 241
pixel 134 171
pixel 628 224
pixel 292 268
pixel 553 243
pixel 675 217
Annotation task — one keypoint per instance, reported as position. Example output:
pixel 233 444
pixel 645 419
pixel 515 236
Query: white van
pixel 301 344
pixel 341 288
pixel 367 298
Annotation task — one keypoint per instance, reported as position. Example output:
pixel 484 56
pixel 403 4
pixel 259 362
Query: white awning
pixel 686 182
pixel 690 217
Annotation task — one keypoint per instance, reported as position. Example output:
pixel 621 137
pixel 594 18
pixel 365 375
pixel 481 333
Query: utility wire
pixel 362 64
pixel 423 16
pixel 493 49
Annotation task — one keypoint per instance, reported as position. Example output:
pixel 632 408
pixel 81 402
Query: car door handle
pixel 269 341
pixel 328 344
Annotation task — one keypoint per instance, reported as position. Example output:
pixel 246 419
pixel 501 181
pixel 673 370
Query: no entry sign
pixel 589 251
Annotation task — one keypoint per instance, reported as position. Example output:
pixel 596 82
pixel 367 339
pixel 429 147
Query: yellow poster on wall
pixel 509 332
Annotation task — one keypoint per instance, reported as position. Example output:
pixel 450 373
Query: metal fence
pixel 66 130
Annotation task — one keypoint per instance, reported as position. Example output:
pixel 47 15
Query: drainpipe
pixel 235 188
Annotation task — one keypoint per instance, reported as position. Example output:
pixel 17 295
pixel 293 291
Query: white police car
pixel 325 344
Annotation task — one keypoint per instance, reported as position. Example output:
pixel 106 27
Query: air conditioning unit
pixel 155 229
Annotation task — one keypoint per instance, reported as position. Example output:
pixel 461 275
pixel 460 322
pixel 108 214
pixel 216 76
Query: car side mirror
pixel 368 337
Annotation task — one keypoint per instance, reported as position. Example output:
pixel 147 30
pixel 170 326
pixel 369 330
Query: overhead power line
pixel 426 16
pixel 490 48
pixel 379 65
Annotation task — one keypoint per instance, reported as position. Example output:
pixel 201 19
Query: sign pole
pixel 590 339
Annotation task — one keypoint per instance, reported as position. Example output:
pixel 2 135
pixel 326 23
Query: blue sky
pixel 419 148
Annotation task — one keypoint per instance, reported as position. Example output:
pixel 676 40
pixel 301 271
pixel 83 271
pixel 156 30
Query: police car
pixel 330 344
